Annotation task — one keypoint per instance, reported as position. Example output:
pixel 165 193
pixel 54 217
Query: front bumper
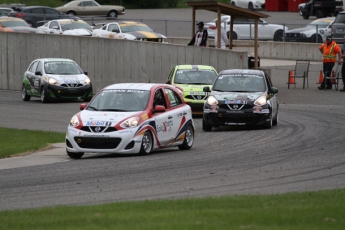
pixel 224 117
pixel 61 93
pixel 122 141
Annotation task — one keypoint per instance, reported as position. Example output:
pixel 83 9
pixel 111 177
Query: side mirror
pixel 38 73
pixel 274 90
pixel 86 73
pixel 159 109
pixel 206 89
pixel 82 106
pixel 168 82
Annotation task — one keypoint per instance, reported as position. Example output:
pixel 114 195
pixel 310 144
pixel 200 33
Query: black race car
pixel 241 97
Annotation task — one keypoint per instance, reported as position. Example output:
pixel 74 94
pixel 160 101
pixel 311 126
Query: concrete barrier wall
pixel 271 49
pixel 107 61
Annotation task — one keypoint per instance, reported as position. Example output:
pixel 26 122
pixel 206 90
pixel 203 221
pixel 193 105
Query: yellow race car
pixel 191 79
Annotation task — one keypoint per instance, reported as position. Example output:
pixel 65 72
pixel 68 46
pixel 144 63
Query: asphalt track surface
pixel 304 152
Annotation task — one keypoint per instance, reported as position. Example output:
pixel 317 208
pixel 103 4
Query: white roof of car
pixel 134 86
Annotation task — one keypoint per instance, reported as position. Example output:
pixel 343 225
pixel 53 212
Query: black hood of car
pixel 232 96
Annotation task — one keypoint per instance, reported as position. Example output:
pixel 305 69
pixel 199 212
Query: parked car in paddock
pixel 76 27
pixel 241 97
pixel 131 118
pixel 4 11
pixel 315 32
pixel 191 79
pixel 128 30
pixel 56 79
pixel 10 24
pixel 37 15
pixel 89 7
pixel 249 4
pixel 244 29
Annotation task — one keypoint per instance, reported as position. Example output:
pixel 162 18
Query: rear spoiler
pixel 96 24
pixel 16 8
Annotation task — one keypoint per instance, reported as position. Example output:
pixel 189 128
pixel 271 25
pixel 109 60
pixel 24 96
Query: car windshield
pixel 62 67
pixel 195 77
pixel 240 83
pixel 70 25
pixel 319 24
pixel 13 24
pixel 120 100
pixel 125 28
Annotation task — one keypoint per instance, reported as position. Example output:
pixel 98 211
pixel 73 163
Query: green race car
pixel 191 79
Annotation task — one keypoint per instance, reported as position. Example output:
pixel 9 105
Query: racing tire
pixel 305 15
pixel 44 96
pixel 188 139
pixel 278 36
pixel 250 6
pixel 313 39
pixel 269 123
pixel 71 13
pixel 74 155
pixel 113 14
pixel 275 120
pixel 205 126
pixel 25 95
pixel 234 35
pixel 146 144
pixel 319 14
pixel 300 11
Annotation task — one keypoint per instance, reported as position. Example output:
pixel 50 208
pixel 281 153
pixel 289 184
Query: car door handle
pixel 169 117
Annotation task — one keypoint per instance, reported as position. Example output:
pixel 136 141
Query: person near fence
pixel 329 49
pixel 200 37
pixel 343 65
pixel 223 37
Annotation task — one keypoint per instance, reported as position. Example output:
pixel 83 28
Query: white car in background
pixel 66 27
pixel 315 32
pixel 129 30
pixel 249 4
pixel 244 29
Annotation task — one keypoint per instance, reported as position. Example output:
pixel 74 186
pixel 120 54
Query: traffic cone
pixel 333 77
pixel 291 77
pixel 320 77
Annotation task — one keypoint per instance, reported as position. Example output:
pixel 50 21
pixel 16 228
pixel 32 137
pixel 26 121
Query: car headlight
pixel 52 81
pixel 211 100
pixel 322 31
pixel 130 123
pixel 260 101
pixel 87 81
pixel 74 121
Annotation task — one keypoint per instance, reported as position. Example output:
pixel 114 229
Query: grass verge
pixel 19 142
pixel 310 210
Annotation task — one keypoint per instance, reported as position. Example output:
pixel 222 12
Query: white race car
pixel 315 32
pixel 66 27
pixel 244 29
pixel 129 30
pixel 249 4
pixel 131 118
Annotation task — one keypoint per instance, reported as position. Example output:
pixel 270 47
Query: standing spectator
pixel 343 66
pixel 329 50
pixel 223 37
pixel 200 37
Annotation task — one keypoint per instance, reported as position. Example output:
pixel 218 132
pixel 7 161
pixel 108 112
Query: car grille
pixel 97 142
pixel 233 106
pixel 98 129
pixel 294 35
pixel 196 97
pixel 71 85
